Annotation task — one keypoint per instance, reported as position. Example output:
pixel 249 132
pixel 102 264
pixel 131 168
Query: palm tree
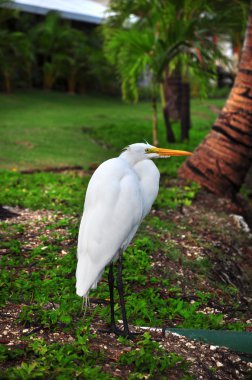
pixel 7 58
pixel 72 60
pixel 15 56
pixel 101 74
pixel 221 161
pixel 64 52
pixel 131 52
pixel 15 48
pixel 49 41
pixel 166 36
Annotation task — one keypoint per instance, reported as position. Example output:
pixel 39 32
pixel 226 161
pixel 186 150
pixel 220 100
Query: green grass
pixel 40 129
pixel 55 283
pixel 52 191
pixel 55 361
pixel 149 357
pixel 61 192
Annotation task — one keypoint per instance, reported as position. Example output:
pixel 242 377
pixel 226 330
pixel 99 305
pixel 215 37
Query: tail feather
pixel 87 276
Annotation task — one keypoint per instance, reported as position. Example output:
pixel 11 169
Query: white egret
pixel 119 195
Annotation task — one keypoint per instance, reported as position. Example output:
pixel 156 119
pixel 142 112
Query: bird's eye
pixel 147 150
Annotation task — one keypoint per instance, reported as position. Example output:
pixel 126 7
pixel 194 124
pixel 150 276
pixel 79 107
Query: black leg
pixel 111 281
pixel 121 296
pixel 113 328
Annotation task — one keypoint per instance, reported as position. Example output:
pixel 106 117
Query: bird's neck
pixel 129 157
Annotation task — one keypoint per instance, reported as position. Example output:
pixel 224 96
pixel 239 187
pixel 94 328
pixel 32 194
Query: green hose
pixel 240 342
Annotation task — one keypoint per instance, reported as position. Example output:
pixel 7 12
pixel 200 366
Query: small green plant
pixel 61 361
pixel 37 275
pixel 149 358
pixel 172 197
pixel 51 191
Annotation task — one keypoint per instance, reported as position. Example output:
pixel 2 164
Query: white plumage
pixel 119 195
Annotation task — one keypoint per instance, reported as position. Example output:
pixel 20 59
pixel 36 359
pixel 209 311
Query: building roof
pixel 79 10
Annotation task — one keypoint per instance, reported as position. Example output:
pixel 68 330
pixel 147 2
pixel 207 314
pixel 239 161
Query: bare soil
pixel 208 220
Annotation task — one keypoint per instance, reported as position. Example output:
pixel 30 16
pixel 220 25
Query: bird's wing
pixel 112 214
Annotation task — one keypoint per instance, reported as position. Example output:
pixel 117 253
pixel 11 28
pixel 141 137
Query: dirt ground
pixel 217 221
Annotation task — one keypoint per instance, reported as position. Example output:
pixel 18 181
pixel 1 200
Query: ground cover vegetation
pixel 188 265
pixel 81 130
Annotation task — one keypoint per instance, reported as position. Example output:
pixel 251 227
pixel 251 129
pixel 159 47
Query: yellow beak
pixel 169 152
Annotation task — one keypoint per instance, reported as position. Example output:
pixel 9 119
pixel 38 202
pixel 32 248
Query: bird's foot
pixel 118 332
pixel 130 335
pixel 126 334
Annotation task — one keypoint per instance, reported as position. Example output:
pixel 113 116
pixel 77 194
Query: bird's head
pixel 141 151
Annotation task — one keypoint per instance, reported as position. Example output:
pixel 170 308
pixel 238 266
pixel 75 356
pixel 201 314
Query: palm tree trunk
pixel 169 132
pixel 221 161
pixel 29 75
pixel 47 82
pixel 7 82
pixel 185 115
pixel 176 104
pixel 172 90
pixel 71 81
pixel 154 117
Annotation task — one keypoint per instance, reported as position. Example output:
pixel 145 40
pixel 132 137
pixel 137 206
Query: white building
pixel 87 11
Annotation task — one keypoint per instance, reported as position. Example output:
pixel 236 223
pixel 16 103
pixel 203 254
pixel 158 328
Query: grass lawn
pixel 172 270
pixel 40 129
